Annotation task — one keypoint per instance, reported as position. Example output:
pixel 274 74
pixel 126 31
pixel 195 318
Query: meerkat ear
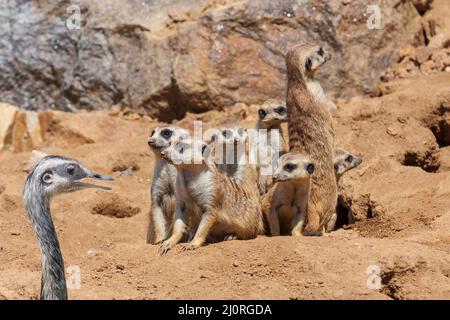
pixel 308 64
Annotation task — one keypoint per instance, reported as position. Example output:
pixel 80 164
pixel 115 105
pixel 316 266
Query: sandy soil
pixel 394 210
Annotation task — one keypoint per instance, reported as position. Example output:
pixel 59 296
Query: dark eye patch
pixel 262 113
pixel 227 133
pixel 308 64
pixel 166 133
pixel 349 158
pixel 289 167
pixel 280 110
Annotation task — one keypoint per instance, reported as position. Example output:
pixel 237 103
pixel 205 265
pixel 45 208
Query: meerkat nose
pixel 275 177
pixel 151 141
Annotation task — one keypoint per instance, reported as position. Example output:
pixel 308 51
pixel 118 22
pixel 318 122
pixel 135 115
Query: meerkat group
pixel 208 190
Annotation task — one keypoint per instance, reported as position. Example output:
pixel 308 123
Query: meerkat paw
pixel 296 233
pixel 190 246
pixel 165 246
pixel 159 240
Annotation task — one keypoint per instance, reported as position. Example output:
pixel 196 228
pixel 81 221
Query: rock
pixel 7 117
pixel 165 58
pixel 444 155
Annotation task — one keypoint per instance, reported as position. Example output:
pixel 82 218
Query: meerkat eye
pixel 289 167
pixel 336 167
pixel 349 158
pixel 203 148
pixel 227 133
pixel 47 177
pixel 310 168
pixel 308 64
pixel 166 133
pixel 70 169
pixel 280 110
pixel 321 52
pixel 262 113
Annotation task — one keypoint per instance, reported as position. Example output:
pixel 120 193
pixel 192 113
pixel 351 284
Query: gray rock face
pixel 164 58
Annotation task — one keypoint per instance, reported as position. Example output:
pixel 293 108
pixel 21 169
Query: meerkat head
pixel 305 59
pixel 272 112
pixel 293 166
pixel 344 161
pixel 186 152
pixel 228 136
pixel 163 136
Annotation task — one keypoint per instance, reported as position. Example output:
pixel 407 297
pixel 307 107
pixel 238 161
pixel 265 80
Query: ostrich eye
pixel 289 167
pixel 166 133
pixel 321 52
pixel 47 177
pixel 70 169
pixel 349 158
pixel 262 113
pixel 308 64
pixel 280 110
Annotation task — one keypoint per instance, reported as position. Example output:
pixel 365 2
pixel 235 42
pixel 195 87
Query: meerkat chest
pixel 200 187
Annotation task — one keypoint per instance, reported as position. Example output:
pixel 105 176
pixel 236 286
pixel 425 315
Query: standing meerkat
pixel 284 206
pixel 343 161
pixel 271 115
pixel 162 190
pixel 310 132
pixel 226 207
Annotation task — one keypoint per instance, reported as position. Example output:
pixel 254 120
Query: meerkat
pixel 343 161
pixel 162 190
pixel 226 207
pixel 313 85
pixel 310 129
pixel 230 152
pixel 284 205
pixel 270 140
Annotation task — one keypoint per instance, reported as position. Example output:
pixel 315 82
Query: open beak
pixel 91 175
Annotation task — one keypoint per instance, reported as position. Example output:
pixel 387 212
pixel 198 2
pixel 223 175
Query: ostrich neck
pixel 53 282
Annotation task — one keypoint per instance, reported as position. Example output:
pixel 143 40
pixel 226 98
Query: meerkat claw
pixel 164 248
pixel 190 246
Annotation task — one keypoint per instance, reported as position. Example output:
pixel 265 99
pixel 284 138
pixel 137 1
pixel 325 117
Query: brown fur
pixel 310 128
pixel 226 206
pixel 284 205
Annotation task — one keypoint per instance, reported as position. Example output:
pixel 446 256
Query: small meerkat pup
pixel 284 206
pixel 311 133
pixel 271 115
pixel 226 207
pixel 343 161
pixel 313 85
pixel 162 190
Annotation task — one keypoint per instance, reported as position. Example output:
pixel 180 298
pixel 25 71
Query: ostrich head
pixel 53 175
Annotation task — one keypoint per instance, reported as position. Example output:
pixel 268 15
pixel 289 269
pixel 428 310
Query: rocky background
pixel 135 64
pixel 164 58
